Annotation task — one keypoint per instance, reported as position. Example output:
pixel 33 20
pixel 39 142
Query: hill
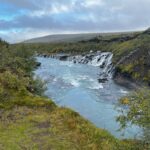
pixel 61 38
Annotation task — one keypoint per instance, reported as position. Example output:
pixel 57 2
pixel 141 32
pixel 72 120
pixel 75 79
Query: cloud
pixel 63 16
pixel 93 3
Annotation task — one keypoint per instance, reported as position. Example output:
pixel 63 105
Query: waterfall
pixel 103 60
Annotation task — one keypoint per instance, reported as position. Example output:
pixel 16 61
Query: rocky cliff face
pixel 134 67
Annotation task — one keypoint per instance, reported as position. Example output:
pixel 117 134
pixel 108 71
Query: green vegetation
pixel 137 112
pixel 31 121
pixel 35 123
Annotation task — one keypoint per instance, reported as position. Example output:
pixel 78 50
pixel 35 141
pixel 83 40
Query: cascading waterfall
pixel 98 59
pixel 103 60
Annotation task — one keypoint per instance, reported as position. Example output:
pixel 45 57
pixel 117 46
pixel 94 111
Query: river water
pixel 76 86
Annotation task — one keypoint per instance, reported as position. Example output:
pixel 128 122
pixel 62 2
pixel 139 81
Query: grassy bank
pixel 31 122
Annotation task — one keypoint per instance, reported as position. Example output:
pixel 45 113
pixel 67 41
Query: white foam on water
pixel 82 77
pixel 95 61
pixel 124 91
pixel 55 80
pixel 96 86
pixel 66 63
pixel 71 80
pixel 75 83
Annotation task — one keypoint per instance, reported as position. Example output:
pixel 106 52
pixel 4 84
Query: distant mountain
pixel 59 38
pixel 62 38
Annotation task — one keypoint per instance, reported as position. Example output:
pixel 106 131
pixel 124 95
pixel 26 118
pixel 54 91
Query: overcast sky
pixel 24 19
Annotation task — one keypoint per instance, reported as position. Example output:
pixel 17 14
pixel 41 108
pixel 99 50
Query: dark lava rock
pixel 74 61
pixel 38 64
pixel 103 65
pixel 102 80
pixel 90 57
pixel 44 55
pixel 63 57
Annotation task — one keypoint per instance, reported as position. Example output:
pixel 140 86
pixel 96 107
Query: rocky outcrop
pixel 102 80
pixel 134 68
pixel 128 57
pixel 56 56
pixel 64 57
pixel 37 64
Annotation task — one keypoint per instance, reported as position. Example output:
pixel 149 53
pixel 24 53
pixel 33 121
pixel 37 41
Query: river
pixel 76 86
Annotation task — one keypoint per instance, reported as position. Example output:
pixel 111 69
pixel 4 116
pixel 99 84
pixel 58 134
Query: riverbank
pixel 32 122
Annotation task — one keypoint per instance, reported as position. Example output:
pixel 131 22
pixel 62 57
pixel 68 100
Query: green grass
pixel 35 123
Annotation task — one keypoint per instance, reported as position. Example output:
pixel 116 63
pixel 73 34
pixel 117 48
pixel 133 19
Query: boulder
pixel 38 64
pixel 63 57
pixel 103 65
pixel 102 80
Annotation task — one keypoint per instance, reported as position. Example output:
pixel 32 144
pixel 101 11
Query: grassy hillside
pixel 67 38
pixel 62 38
pixel 30 121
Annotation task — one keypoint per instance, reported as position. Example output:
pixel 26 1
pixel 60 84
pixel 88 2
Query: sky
pixel 25 19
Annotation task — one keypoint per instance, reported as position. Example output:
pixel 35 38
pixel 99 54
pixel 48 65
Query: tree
pixel 135 109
